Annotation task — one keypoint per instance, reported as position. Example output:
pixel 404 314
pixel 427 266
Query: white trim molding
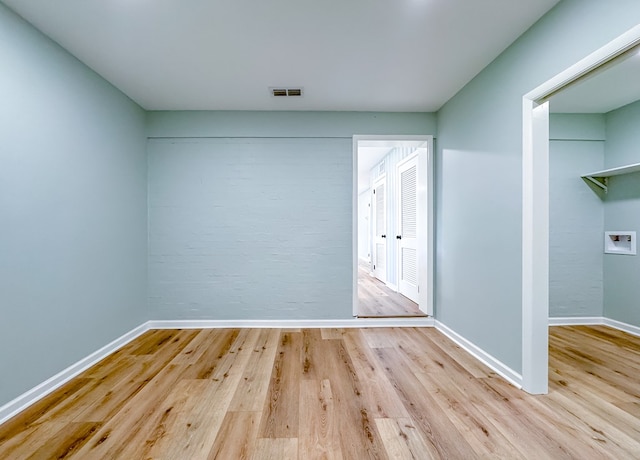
pixel 426 299
pixel 535 191
pixel 25 400
pixel 628 328
pixel 292 323
pixel 32 396
pixel 576 321
pixel 488 360
pixel 597 321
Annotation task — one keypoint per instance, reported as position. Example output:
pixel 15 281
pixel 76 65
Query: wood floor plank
pixel 276 448
pixel 375 299
pixel 29 439
pixel 132 425
pixel 119 388
pixel 602 433
pixel 443 439
pixel 402 440
pixel 156 341
pixel 335 394
pixel 481 434
pixel 378 338
pixel 237 436
pixel 111 398
pixel 29 417
pixel 565 440
pixel 194 412
pixel 220 346
pixel 631 408
pixel 412 344
pixel 281 412
pixel 453 352
pixel 66 442
pixel 252 389
pixel 332 333
pixel 191 424
pixel 200 344
pixel 381 399
pixel 359 437
pixel 315 360
pixel 318 437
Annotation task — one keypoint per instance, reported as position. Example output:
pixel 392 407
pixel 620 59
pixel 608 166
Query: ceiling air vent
pixel 285 92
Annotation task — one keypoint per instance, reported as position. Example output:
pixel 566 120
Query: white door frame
pixel 427 294
pixel 535 212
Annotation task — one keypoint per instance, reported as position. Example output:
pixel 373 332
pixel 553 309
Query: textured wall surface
pixel 576 223
pixel 250 228
pixel 622 212
pixel 286 176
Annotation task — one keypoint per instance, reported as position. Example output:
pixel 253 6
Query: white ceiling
pixel 361 55
pixel 603 90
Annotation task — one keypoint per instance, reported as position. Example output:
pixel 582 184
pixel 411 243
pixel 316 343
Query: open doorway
pixel 576 86
pixel 393 226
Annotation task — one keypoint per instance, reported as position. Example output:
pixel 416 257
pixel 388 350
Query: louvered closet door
pixel 380 227
pixel 407 228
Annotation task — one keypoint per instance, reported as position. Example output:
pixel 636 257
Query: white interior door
pixel 379 201
pixel 407 237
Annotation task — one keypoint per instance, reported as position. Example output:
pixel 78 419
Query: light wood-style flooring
pixel 398 393
pixel 376 300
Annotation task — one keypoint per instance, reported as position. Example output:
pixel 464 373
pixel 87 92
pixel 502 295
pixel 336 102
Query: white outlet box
pixel 620 242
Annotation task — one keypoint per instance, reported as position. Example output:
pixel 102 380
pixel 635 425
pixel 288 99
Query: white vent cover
pixel 282 91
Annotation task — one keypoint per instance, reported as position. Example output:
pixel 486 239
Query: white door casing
pixel 425 214
pixel 535 251
pixel 535 193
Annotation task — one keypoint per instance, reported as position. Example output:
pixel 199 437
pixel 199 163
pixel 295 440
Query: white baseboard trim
pixel 629 328
pixel 595 320
pixel 23 401
pixel 576 321
pixel 292 323
pixel 488 360
pixel 35 394
pixel 392 286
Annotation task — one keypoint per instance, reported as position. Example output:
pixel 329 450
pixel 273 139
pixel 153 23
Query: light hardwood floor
pixel 376 300
pixel 335 394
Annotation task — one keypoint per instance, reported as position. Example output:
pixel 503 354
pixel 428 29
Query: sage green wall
pixel 479 173
pixel 622 212
pixel 235 124
pixel 251 213
pixel 576 215
pixel 72 210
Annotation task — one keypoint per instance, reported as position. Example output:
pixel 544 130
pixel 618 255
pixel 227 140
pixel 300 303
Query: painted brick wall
pixel 622 212
pixel 576 222
pixel 250 228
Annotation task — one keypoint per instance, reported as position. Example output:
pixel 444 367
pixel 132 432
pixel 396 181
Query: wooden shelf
pixel 600 178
